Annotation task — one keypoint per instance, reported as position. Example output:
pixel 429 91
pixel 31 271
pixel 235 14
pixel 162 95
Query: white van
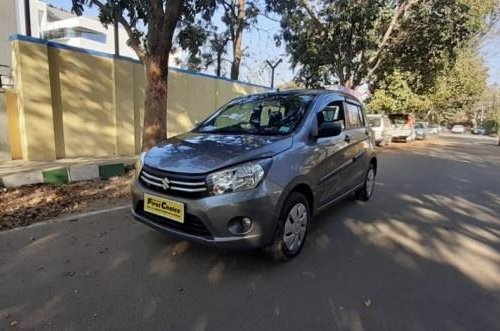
pixel 381 126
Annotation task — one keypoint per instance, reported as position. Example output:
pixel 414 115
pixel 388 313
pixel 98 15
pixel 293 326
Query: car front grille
pixel 192 224
pixel 183 185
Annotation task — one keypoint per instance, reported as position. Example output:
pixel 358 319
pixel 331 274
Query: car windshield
pixel 374 122
pixel 260 114
pixel 398 120
pixel 419 125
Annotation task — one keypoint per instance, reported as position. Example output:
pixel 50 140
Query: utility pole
pixel 117 44
pixel 115 14
pixel 27 17
pixel 273 66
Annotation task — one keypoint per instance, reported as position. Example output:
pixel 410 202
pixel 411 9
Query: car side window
pixel 355 116
pixel 361 116
pixel 333 112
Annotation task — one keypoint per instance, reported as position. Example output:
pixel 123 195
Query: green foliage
pixel 396 96
pixel 459 88
pixel 237 16
pixel 489 106
pixel 366 41
pixel 454 96
pixel 150 24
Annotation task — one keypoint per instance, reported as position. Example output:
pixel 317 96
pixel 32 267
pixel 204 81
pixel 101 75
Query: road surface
pixel 424 254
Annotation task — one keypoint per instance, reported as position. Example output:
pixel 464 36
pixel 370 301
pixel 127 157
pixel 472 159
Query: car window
pixel 259 114
pixel 375 122
pixel 355 116
pixel 333 112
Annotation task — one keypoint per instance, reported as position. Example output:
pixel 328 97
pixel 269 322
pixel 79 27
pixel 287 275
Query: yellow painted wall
pixel 73 104
pixel 13 127
pixel 87 96
pixel 124 101
pixel 35 101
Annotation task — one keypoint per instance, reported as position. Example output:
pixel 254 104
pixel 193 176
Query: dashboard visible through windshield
pixel 263 115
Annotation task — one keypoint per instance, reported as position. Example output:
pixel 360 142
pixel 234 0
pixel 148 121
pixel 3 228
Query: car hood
pixel 205 152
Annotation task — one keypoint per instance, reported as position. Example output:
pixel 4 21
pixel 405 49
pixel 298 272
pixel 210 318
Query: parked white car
pixel 434 129
pixel 403 127
pixel 457 128
pixel 381 126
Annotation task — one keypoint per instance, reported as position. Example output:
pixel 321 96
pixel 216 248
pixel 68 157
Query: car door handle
pixel 347 138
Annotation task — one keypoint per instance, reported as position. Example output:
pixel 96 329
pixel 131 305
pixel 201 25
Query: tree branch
pixel 401 9
pixel 307 6
pixel 134 43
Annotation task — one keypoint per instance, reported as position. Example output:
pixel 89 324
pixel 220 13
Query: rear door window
pixel 355 116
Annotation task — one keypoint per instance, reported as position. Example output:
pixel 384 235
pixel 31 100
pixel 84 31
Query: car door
pixel 331 151
pixel 358 136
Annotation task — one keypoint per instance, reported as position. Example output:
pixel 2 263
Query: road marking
pixel 68 218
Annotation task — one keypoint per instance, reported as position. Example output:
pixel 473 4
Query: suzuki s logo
pixel 165 183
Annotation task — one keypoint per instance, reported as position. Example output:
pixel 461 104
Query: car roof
pixel 314 92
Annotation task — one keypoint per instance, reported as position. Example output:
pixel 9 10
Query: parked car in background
pixel 403 127
pixel 458 128
pixel 255 172
pixel 479 130
pixel 381 126
pixel 433 129
pixel 421 130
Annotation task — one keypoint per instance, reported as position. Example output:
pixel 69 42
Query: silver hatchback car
pixel 255 172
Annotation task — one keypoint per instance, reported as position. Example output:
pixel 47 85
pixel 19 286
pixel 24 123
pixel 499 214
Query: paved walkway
pixel 18 172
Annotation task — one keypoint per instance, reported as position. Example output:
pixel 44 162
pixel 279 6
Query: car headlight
pixel 139 163
pixel 241 178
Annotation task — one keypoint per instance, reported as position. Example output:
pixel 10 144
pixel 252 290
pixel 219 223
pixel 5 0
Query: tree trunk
pixel 219 63
pixel 237 41
pixel 160 34
pixel 155 103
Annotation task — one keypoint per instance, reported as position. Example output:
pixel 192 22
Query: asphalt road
pixel 424 254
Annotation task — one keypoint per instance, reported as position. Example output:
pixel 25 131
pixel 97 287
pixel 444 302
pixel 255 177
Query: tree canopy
pixel 456 91
pixel 363 41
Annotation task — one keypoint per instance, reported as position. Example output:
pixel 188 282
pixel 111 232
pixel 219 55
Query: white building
pixel 62 27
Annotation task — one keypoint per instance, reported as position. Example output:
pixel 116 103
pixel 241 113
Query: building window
pixel 74 33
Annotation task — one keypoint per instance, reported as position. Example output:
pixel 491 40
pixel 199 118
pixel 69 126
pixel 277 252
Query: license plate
pixel 164 207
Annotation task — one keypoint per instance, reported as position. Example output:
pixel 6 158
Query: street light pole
pixel 273 66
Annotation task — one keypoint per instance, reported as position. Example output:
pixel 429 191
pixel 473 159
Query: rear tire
pixel 292 228
pixel 366 191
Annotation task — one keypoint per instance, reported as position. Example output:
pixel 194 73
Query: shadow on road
pixel 423 254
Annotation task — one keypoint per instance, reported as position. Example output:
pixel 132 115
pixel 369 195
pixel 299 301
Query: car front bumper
pixel 214 213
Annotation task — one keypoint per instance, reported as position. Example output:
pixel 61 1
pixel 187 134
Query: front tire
pixel 366 191
pixel 292 227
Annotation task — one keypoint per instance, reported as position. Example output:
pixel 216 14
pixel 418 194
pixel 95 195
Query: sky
pixel 259 46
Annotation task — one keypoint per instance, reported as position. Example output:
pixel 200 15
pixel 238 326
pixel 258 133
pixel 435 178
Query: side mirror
pixel 330 129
